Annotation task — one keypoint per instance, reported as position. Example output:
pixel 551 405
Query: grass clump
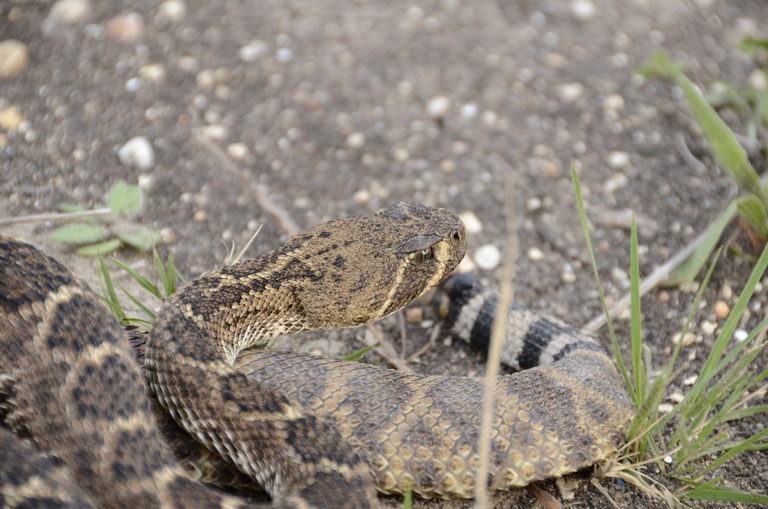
pixel 682 441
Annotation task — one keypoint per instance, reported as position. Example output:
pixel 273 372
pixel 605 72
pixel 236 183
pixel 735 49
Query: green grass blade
pixel 638 369
pixel 108 292
pixel 585 230
pixel 144 309
pixel 733 452
pixel 356 355
pixel 687 271
pixel 141 280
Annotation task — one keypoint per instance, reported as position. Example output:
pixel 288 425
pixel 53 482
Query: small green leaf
pixel 753 212
pixel 143 240
pixel 751 45
pixel 124 198
pixel 80 233
pixel 102 248
pixel 356 355
pixel 660 65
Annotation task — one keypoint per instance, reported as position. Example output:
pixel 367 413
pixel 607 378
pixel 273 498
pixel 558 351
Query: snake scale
pixel 314 432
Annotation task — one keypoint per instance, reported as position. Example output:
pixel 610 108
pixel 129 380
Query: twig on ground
pixel 689 158
pixel 546 500
pixel 382 346
pixel 54 217
pixel 259 191
pixel 432 340
pixel 403 335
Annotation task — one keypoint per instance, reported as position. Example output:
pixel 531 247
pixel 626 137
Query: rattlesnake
pixel 314 432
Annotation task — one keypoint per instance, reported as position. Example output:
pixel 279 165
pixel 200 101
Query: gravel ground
pixel 225 111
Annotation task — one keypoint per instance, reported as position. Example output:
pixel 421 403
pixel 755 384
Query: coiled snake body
pixel 314 432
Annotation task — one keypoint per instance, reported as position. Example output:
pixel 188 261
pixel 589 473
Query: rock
pixel 487 257
pixel 137 152
pixel 617 159
pixel 583 10
pixel 355 140
pixel 570 92
pixel 173 10
pixel 14 58
pixel 70 11
pixel 126 28
pixel 471 221
pixel 535 254
pixel 438 106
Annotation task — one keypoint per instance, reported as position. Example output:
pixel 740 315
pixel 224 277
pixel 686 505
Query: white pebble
pixel 469 111
pixel 401 154
pixel 362 196
pixel 708 327
pixel 71 11
pixel 583 9
pixel 533 204
pixel 215 132
pixel 201 216
pixel 615 182
pixel 688 339
pixel 355 140
pixel 667 459
pixel 740 335
pixel 238 151
pixel 535 254
pixel 613 102
pixel 690 380
pixel 619 275
pixel 487 257
pixel 173 10
pixel 570 92
pixel 467 265
pixel 145 181
pixel 490 117
pixel 617 159
pixel 677 397
pixel 284 55
pixel 154 73
pixel 137 152
pixel 14 58
pixel 757 80
pixel 438 106
pixel 133 84
pixel 253 50
pixel 665 408
pixel 188 63
pixel 471 221
pixel 567 275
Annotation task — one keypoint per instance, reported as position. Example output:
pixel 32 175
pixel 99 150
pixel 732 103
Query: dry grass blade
pixel 494 350
pixel 54 217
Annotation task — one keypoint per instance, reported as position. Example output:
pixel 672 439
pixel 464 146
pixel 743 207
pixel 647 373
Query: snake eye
pixel 422 256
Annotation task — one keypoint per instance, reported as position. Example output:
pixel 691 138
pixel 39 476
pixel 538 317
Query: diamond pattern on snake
pixel 81 429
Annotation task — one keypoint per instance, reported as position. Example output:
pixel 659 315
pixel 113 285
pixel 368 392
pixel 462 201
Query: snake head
pixel 370 266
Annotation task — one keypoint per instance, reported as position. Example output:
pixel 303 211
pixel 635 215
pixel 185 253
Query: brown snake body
pixel 315 432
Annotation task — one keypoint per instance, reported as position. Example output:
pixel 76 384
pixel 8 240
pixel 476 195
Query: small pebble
pixel 471 221
pixel 215 132
pixel 14 58
pixel 238 151
pixel 426 324
pixel 71 11
pixel 201 216
pixel 362 196
pixel 665 408
pixel 469 111
pixel 79 155
pixel 613 102
pixel 619 275
pixel 726 291
pixel 173 10
pixel 447 166
pixel 154 73
pixel 401 155
pixel 284 55
pixel 740 335
pixel 583 10
pixel 677 397
pixel 137 152
pixel 555 61
pixel 438 106
pixel 188 64
pixel 570 92
pixel 620 60
pixel 535 254
pixel 667 459
pixel 490 117
pixel 533 204
pixel 125 28
pixel 467 265
pixel 10 118
pixel 145 181
pixel 617 159
pixel 487 257
pixel 567 275
pixel 757 80
pixel 708 327
pixel 355 140
pixel 721 309
pixel 688 339
pixel 414 314
pixel 615 182
pixel 690 380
